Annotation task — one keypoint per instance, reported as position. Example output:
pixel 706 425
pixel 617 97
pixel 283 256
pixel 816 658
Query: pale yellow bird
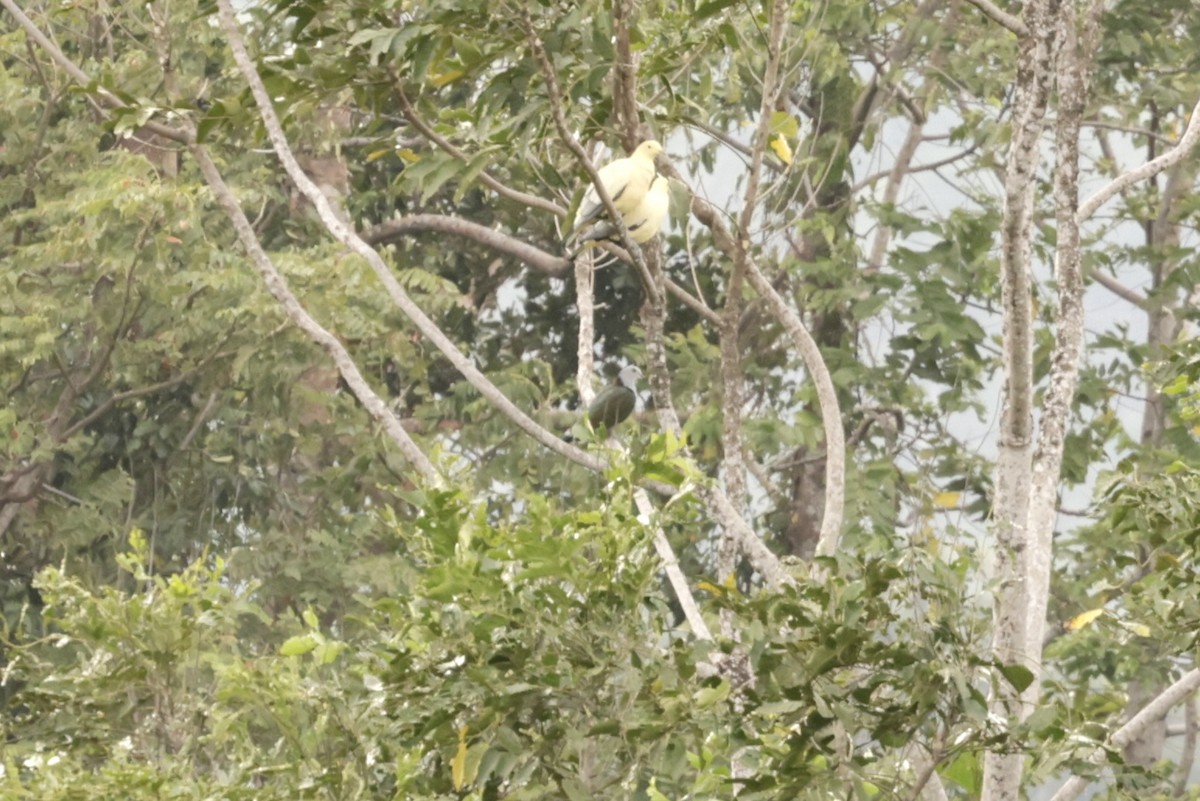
pixel 643 222
pixel 626 180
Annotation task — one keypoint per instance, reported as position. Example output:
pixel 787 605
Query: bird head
pixel 650 149
pixel 629 375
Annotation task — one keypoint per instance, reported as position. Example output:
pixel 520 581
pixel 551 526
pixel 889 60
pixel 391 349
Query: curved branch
pixel 348 237
pixel 1151 713
pixel 1191 136
pixel 108 99
pixel 996 14
pixel 810 353
pixel 534 257
pixel 426 130
pixel 279 288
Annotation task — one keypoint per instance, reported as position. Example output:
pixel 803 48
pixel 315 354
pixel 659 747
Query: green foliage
pixel 485 674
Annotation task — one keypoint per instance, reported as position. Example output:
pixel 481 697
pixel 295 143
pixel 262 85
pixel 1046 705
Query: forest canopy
pixel 301 496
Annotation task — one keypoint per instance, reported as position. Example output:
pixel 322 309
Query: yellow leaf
pixel 458 766
pixel 443 78
pixel 375 155
pixel 947 500
pixel 782 149
pixel 409 156
pixel 708 586
pixel 1140 629
pixel 1081 620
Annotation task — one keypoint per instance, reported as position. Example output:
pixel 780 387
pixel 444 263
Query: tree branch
pixel 1073 88
pixel 1183 770
pixel 763 559
pixel 996 14
pixel 1013 472
pixel 278 287
pixel 732 373
pixel 1153 712
pixel 344 234
pixel 534 257
pixel 564 132
pixel 678 581
pixel 1117 288
pixel 891 191
pixel 426 130
pixel 108 99
pixel 810 353
pixel 1191 135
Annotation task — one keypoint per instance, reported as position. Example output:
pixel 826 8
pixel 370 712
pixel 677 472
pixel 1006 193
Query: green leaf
pixel 1019 676
pixel 709 696
pixel 712 8
pixel 297 646
pixel 966 771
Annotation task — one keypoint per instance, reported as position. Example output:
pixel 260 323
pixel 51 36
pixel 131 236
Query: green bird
pixel 613 404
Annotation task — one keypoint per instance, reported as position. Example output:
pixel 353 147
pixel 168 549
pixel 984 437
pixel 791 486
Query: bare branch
pixel 1003 18
pixel 692 302
pixel 585 276
pixel 928 785
pixel 1153 712
pixel 624 75
pixel 344 234
pixel 683 593
pixel 1035 73
pixel 831 415
pixel 933 165
pixel 892 190
pixel 1129 129
pixel 278 287
pixel 426 130
pixel 130 394
pixel 1183 770
pixel 810 353
pixel 685 297
pixel 1117 288
pixel 1182 148
pixel 1073 87
pixel 530 255
pixel 108 99
pixel 201 418
pixel 732 375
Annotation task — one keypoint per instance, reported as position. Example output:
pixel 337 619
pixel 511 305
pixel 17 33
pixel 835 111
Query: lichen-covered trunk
pixel 1014 466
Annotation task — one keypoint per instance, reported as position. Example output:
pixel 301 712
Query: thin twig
pixel 426 130
pixel 996 14
pixel 1152 712
pixel 535 257
pixel 564 132
pixel 1191 135
pixel 107 98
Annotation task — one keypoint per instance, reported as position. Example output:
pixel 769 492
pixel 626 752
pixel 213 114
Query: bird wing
pixel 646 220
pixel 611 406
pixel 626 180
pixel 616 177
pixel 643 222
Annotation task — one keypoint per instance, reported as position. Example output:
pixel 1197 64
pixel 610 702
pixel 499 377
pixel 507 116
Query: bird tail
pixel 602 232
